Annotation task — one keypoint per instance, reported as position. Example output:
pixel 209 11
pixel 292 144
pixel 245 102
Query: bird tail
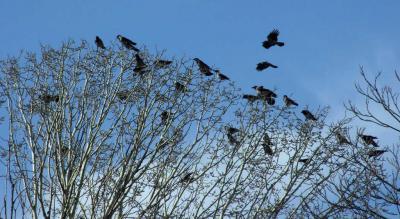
pixel 135 49
pixel 375 144
pixel 280 44
pixel 274 66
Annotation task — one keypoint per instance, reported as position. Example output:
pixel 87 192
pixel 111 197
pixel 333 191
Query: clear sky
pixel 326 41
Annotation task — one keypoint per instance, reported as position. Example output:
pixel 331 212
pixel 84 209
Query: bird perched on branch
pixel 49 98
pixel 127 43
pixel 231 130
pixel 180 87
pixel 162 63
pixel 289 102
pixel 272 39
pixel 99 43
pixel 122 95
pixel 250 97
pixel 369 140
pixel 188 178
pixel 232 140
pixel 221 76
pixel 140 65
pixel 304 160
pixel 264 92
pixel 203 67
pixel 376 153
pixel 341 138
pixel 267 145
pixel 308 115
pixel 165 117
pixel 264 65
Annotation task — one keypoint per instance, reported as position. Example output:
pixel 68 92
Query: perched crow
pixel 231 130
pixel 308 115
pixel 127 43
pixel 267 145
pixel 203 67
pixel 188 178
pixel 264 92
pixel 264 65
pixel 180 87
pixel 122 95
pixel 272 39
pixel 341 138
pixel 162 63
pixel 368 139
pixel 376 153
pixel 232 140
pixel 221 76
pixel 99 43
pixel 288 101
pixel 140 65
pixel 49 98
pixel 250 97
pixel 165 117
pixel 304 160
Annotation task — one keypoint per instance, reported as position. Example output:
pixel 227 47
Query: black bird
pixel 188 178
pixel 304 160
pixel 140 65
pixel 288 101
pixel 231 130
pixel 165 117
pixel 308 115
pixel 261 91
pixel 221 76
pixel 376 153
pixel 264 65
pixel 99 43
pixel 267 145
pixel 127 43
pixel 49 98
pixel 122 95
pixel 162 63
pixel 272 39
pixel 180 87
pixel 341 138
pixel 250 97
pixel 369 139
pixel 203 67
pixel 232 140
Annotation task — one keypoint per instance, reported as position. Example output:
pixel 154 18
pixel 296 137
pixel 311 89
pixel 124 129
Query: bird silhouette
pixel 308 115
pixel 140 65
pixel 99 43
pixel 127 43
pixel 264 65
pixel 162 63
pixel 203 67
pixel 267 145
pixel 232 140
pixel 376 153
pixel 289 102
pixel 188 178
pixel 180 87
pixel 272 39
pixel 250 97
pixel 231 130
pixel 221 76
pixel 264 92
pixel 49 98
pixel 122 95
pixel 165 115
pixel 341 138
pixel 304 160
pixel 369 140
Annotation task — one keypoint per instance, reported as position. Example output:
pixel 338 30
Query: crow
pixel 264 92
pixel 162 63
pixel 49 98
pixel 188 178
pixel 341 138
pixel 272 39
pixel 122 95
pixel 250 97
pixel 127 43
pixel 289 102
pixel 369 139
pixel 267 145
pixel 140 65
pixel 308 115
pixel 376 153
pixel 221 76
pixel 180 87
pixel 203 67
pixel 231 130
pixel 264 65
pixel 99 43
pixel 165 117
pixel 304 160
pixel 232 140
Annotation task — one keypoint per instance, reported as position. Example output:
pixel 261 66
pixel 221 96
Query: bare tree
pixel 381 165
pixel 112 133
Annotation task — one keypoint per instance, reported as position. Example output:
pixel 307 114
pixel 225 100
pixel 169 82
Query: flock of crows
pixel 262 94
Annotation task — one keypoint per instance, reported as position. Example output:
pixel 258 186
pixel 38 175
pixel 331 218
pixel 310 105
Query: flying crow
pixel 272 39
pixel 289 102
pixel 203 67
pixel 264 65
pixel 308 115
pixel 99 43
pixel 127 43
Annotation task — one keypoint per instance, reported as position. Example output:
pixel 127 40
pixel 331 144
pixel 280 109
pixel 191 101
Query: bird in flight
pixel 221 76
pixel 99 43
pixel 264 65
pixel 369 140
pixel 289 102
pixel 127 43
pixel 308 115
pixel 272 39
pixel 376 153
pixel 203 67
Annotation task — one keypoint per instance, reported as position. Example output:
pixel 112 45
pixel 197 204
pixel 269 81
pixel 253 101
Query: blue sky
pixel 326 41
